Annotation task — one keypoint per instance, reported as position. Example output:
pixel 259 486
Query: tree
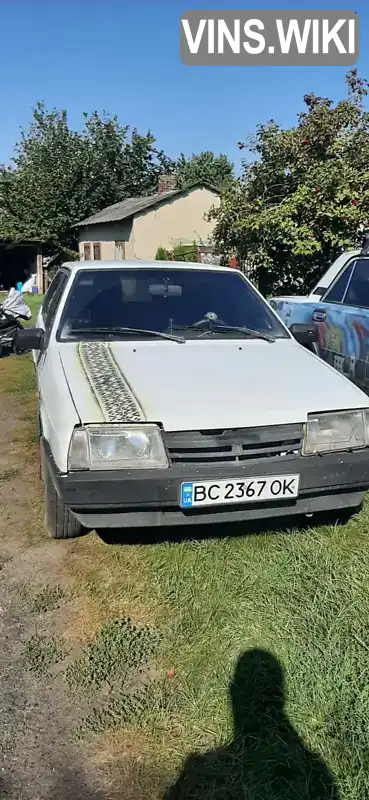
pixel 205 166
pixel 59 176
pixel 305 197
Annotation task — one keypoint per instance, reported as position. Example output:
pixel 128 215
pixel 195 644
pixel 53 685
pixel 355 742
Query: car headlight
pixel 335 431
pixel 117 447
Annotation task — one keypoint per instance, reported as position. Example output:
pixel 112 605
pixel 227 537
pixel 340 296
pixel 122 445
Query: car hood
pixel 203 384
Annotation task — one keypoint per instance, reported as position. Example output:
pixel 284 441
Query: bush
pixel 185 252
pixel 162 254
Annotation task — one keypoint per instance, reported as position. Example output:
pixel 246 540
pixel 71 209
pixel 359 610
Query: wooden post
pixel 40 271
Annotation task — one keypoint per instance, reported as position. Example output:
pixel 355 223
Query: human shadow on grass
pixel 266 759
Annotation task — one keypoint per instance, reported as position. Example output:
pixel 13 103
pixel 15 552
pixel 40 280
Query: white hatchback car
pixel 171 394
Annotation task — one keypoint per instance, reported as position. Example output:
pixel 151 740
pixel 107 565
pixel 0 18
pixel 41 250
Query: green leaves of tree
pixel 305 195
pixel 59 176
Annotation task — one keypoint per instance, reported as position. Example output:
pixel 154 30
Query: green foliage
pixel 59 176
pixel 47 598
pixel 114 672
pixel 305 197
pixel 205 166
pixel 185 252
pixel 162 254
pixel 181 252
pixel 119 648
pixel 43 652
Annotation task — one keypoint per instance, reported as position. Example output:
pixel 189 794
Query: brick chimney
pixel 167 183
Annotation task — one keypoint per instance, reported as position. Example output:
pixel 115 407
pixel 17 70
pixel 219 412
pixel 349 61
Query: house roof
pixel 134 205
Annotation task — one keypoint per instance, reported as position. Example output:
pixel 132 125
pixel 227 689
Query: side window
pixel 49 293
pixel 336 293
pixel 357 293
pixel 52 297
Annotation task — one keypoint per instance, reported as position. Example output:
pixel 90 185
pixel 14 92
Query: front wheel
pixel 60 522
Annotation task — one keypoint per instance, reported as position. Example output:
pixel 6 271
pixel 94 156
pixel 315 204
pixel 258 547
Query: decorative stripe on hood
pixel 113 393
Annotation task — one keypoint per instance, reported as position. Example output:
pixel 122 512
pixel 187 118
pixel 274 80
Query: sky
pixel 122 56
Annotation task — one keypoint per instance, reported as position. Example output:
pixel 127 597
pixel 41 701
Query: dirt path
pixel 64 617
pixel 37 758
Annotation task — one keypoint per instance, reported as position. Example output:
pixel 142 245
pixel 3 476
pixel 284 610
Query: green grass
pixel 47 598
pixel 293 604
pixel 33 301
pixel 113 672
pixel 301 597
pixel 41 653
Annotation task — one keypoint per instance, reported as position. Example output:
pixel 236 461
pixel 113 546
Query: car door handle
pixel 318 316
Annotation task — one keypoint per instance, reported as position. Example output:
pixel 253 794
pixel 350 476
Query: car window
pixel 52 298
pixel 336 292
pixel 50 293
pixel 164 300
pixel 357 293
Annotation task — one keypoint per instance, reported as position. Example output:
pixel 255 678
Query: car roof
pixel 136 264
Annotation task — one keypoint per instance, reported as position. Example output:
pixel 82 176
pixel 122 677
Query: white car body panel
pixel 57 408
pixel 324 283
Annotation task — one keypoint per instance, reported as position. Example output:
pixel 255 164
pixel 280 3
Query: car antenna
pixel 365 246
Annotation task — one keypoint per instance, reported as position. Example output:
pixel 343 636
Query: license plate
pixel 224 492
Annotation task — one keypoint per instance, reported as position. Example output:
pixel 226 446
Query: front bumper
pixel 147 498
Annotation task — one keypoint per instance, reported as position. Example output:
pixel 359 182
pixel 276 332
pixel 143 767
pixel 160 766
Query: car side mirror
pixel 27 339
pixel 304 334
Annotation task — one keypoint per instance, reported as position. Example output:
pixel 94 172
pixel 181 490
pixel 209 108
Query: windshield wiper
pixel 214 328
pixel 247 331
pixel 134 331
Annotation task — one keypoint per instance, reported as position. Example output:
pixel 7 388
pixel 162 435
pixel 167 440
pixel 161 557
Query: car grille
pixel 226 446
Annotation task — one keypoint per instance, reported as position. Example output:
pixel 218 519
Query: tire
pixel 60 522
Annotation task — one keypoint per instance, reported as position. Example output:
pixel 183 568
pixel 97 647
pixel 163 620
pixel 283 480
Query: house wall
pixel 178 221
pixel 105 234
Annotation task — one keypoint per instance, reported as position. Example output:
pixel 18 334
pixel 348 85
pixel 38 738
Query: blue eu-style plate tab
pixel 186 495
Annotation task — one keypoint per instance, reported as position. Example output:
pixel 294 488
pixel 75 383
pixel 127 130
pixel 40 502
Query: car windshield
pixel 149 302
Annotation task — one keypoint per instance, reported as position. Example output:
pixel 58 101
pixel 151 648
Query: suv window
pixel 52 298
pixel 337 292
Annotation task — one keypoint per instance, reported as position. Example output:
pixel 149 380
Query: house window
pixel 87 252
pixel 120 251
pixel 97 251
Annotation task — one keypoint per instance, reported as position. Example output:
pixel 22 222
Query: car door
pixel 342 319
pixel 45 321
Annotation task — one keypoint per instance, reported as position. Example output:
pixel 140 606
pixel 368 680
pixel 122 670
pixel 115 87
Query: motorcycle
pixel 12 310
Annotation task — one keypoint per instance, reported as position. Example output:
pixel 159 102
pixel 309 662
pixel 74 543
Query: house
pixel 137 227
